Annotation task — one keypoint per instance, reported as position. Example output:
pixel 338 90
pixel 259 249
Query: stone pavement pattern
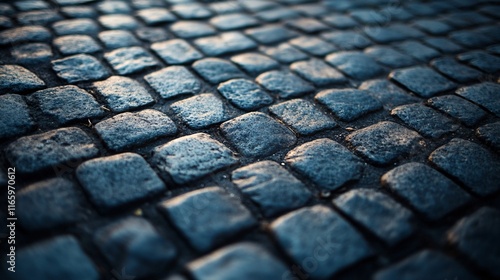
pixel 252 139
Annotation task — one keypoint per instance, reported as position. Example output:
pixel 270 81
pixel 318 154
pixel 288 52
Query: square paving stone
pixel 228 42
pixel 270 34
pixel 318 72
pixel 38 152
pixel 285 53
pixel 485 94
pixel 417 50
pixel 32 53
pixel 118 180
pixel 391 33
pixel 278 14
pixel 387 93
pixel 425 120
pixel 134 129
pixel 474 166
pixel 254 63
pixel 173 81
pixel 76 44
pixel 76 26
pixel 117 21
pixel 122 93
pixel 318 231
pixel 67 104
pixel 307 25
pixel 154 16
pixel 233 21
pixel 191 11
pixel 244 94
pixel 455 70
pixel 152 34
pixel 15 79
pixel 135 247
pixel 191 29
pixel 490 133
pixel 347 40
pixel 130 60
pixel 114 39
pixel 326 163
pixel 176 51
pixel 459 108
pixel 202 110
pixel 340 21
pixel 238 261
pixel 208 217
pixel 285 84
pixel 384 142
pixel 257 135
pixel 271 187
pixel 50 203
pixel 429 192
pixel 348 104
pixel 443 45
pixel 17 35
pixel 355 64
pixel 216 70
pixel 114 7
pixel 15 119
pixel 62 254
pixel 389 57
pixel 422 80
pixel 377 212
pixel 302 116
pixel 312 45
pixel 191 157
pixel 424 264
pixel 481 60
pixel 79 68
pixel 476 237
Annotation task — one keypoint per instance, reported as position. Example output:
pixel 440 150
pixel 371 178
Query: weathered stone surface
pixel 355 64
pixel 79 68
pixel 484 94
pixel 115 181
pixel 238 261
pixel 154 16
pixel 313 236
pixel 228 42
pixel 387 93
pixel 202 110
pixel 347 40
pixel 130 60
pixel 271 137
pixel 456 71
pixel 469 163
pixel 14 78
pixel 481 60
pixel 50 203
pixel 377 212
pixel 384 142
pixel 50 149
pixel 444 45
pixel 233 21
pixel 424 264
pixel 254 63
pixel 326 163
pixel 270 34
pixel 348 104
pixel 191 29
pixel 135 247
pixel 114 39
pixel 307 25
pixel 117 21
pixel 389 57
pixel 67 104
pixel 244 94
pixel 17 35
pixel 193 211
pixel 312 45
pixel 176 51
pixel 62 254
pixel 458 108
pixel 425 120
pixel 422 80
pixel 32 53
pixel 122 93
pixel 173 81
pixel 216 70
pixel 318 72
pixel 425 189
pixel 191 157
pixel 285 84
pixel 191 11
pixel 490 133
pixel 417 50
pixel 133 129
pixel 75 44
pixel 76 26
pixel 302 116
pixel 15 119
pixel 271 187
pixel 38 17
pixel 152 34
pixel 475 236
pixel 285 53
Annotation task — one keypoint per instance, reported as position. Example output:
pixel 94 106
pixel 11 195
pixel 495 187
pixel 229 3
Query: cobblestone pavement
pixel 224 140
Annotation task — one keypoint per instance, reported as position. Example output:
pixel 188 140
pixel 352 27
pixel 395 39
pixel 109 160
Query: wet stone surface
pixel 423 81
pixel 348 104
pixel 244 94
